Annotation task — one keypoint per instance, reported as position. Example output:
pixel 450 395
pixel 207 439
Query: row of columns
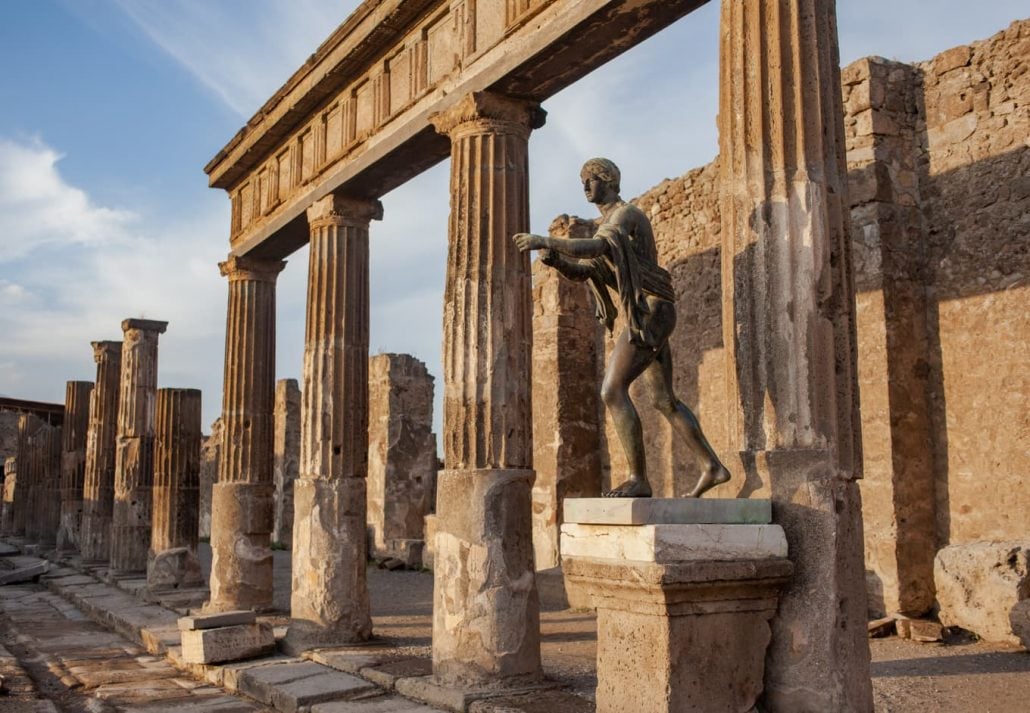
pixel 118 481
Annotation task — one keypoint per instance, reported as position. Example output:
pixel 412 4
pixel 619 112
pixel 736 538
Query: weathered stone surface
pixel 134 455
pixel 210 456
pixel 73 462
pixel 44 501
pixel 101 441
pixel 242 502
pixel 667 511
pixel 979 584
pixel 172 561
pixel 9 487
pixel 25 574
pixel 486 610
pixel 402 460
pixel 657 627
pixel 329 601
pixel 28 425
pixel 286 454
pixel 227 643
pixel 567 349
pixel 386 704
pixel 216 620
pixel 670 543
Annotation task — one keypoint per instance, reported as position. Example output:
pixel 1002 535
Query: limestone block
pixel 673 543
pixel 217 620
pixel 227 643
pixel 667 511
pixel 980 584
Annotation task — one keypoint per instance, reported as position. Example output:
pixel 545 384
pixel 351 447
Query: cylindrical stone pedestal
pixel 486 613
pixel 73 462
pixel 134 456
pixel 101 439
pixel 329 603
pixel 173 563
pixel 680 637
pixel 242 499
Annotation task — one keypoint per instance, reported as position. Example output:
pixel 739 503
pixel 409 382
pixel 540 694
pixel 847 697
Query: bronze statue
pixel 618 252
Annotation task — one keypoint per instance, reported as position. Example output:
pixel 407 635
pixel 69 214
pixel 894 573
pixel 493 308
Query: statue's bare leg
pixel 626 363
pixel 658 379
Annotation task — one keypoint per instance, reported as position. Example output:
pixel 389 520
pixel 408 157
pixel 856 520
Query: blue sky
pixel 109 109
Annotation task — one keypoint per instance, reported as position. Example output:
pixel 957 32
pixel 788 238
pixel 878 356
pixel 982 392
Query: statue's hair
pixel 605 170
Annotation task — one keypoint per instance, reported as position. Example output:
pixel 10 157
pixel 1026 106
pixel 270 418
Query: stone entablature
pixel 355 116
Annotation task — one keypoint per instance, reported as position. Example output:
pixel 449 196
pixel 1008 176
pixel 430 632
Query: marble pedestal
pixel 683 608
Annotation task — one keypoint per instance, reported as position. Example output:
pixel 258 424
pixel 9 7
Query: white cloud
pixel 38 209
pixel 242 51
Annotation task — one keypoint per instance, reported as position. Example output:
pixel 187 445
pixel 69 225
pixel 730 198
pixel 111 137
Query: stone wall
pixel 939 184
pixel 8 434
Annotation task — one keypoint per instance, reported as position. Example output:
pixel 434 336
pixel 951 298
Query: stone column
pixel 172 562
pixel 47 503
pixel 36 482
pixel 73 462
pixel 330 549
pixel 401 456
pixel 287 457
pixel 486 611
pixel 101 445
pixel 241 500
pixel 788 320
pixel 27 426
pixel 10 483
pixel 134 454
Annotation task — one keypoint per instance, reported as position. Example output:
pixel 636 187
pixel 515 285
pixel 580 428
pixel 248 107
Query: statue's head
pixel 601 180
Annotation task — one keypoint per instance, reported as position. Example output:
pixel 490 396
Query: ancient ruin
pixel 73 462
pixel 101 447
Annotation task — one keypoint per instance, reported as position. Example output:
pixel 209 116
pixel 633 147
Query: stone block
pixel 673 543
pixel 384 704
pixel 667 511
pixel 328 686
pixel 217 620
pixel 227 643
pixel 980 584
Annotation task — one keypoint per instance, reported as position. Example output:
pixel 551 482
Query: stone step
pixel 667 511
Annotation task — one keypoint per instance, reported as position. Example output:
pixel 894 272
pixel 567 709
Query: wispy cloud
pixel 242 50
pixel 38 209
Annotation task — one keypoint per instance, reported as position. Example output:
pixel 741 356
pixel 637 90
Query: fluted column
pixel 788 316
pixel 22 508
pixel 134 454
pixel 242 499
pixel 172 562
pixel 486 610
pixel 330 596
pixel 73 462
pixel 101 443
pixel 46 517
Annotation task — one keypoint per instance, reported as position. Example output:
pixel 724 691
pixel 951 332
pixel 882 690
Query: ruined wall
pixel 976 189
pixel 210 454
pixel 8 434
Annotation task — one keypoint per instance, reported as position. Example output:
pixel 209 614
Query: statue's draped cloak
pixel 630 267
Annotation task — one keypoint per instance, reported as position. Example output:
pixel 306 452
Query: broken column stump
pixel 224 636
pixel 683 608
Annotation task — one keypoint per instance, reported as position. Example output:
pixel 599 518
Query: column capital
pixel 102 351
pixel 247 268
pixel 483 112
pixel 144 325
pixel 337 209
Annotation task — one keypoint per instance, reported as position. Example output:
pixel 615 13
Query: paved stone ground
pixel 55 655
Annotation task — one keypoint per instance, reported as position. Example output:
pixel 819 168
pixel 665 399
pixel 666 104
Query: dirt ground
pixel 960 676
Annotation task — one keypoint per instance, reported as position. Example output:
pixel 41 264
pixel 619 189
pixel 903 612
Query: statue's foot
pixel 715 475
pixel 632 488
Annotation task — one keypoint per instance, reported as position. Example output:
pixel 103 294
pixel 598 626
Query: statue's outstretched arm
pixel 575 247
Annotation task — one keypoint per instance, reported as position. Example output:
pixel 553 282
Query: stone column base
pixel 486 611
pixel 241 556
pixel 329 603
pixel 176 568
pixel 95 543
pixel 680 637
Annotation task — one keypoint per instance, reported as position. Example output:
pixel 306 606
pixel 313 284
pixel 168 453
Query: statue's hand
pixel 527 241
